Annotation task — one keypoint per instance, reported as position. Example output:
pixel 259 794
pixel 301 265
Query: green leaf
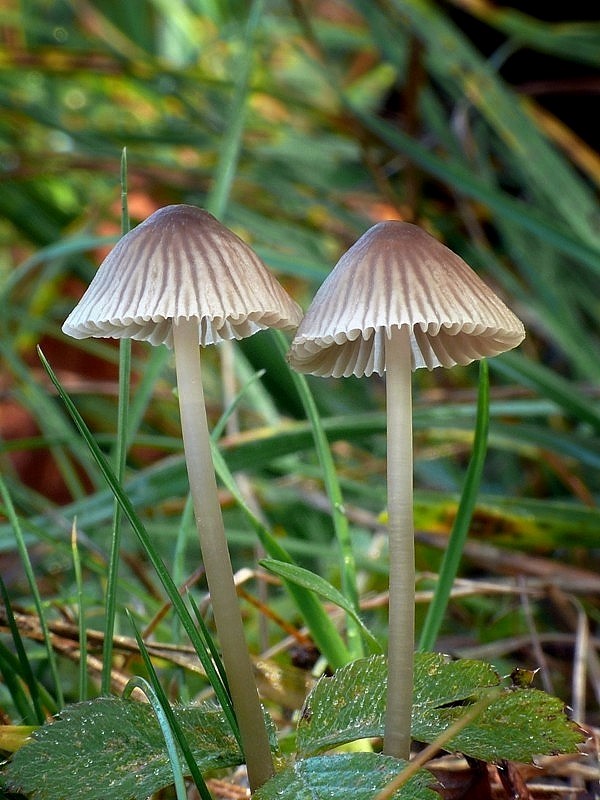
pixel 518 726
pixel 356 775
pixel 440 681
pixel 315 583
pixel 109 748
pixel 521 724
pixel 346 707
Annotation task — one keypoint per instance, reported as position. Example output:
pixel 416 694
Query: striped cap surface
pixel 181 263
pixel 397 275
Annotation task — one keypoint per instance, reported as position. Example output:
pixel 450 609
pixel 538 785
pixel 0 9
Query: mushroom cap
pixel 397 275
pixel 181 263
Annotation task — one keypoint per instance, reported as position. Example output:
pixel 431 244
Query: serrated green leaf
pixel 338 777
pixel 110 748
pixel 348 706
pixel 518 726
pixel 351 704
pixel 440 681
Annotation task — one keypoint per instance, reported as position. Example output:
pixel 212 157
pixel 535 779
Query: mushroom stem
pixel 215 554
pixel 401 544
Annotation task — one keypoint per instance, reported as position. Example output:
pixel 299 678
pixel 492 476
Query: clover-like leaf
pixel 519 725
pixel 337 777
pixel 113 748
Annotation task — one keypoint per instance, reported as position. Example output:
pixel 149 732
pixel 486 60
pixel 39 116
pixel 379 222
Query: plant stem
pixel 401 545
pixel 215 554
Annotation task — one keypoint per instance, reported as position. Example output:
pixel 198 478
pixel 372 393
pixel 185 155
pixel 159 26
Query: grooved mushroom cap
pixel 397 275
pixel 181 263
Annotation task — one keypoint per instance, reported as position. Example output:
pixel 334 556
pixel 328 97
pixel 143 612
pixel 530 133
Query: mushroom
pixel 396 301
pixel 182 279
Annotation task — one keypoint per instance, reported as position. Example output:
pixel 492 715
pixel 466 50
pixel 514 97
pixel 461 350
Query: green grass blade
pixel 221 423
pixel 186 525
pixel 464 514
pixel 144 539
pixel 9 510
pixel 41 406
pixel 142 396
pixel 219 674
pixel 83 673
pixel 34 714
pixel 169 725
pixel 315 583
pixel 217 199
pixel 112 581
pixel 334 493
pixel 120 456
pixel 452 58
pixel 547 383
pixel 11 662
pixel 461 178
pixel 322 629
pixel 149 691
pixel 9 669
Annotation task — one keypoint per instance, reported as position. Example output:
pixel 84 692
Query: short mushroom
pixel 182 279
pixel 398 300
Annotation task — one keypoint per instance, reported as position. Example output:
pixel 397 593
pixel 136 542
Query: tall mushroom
pixel 398 300
pixel 183 279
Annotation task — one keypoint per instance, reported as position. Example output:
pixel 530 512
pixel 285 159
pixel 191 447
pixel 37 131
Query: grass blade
pixel 144 539
pixel 33 713
pixel 83 674
pixel 464 514
pixel 315 583
pixel 169 725
pixel 9 510
pixel 334 493
pixel 169 735
pixel 219 673
pixel 120 455
pixel 322 629
pixel 548 384
pixel 9 666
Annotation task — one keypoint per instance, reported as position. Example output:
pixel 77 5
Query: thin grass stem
pixel 149 690
pixel 464 515
pixel 10 512
pixel 169 725
pixel 334 493
pixel 120 456
pixel 29 715
pixel 83 673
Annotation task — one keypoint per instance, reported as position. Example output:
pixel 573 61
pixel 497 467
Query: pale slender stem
pixel 401 545
pixel 215 554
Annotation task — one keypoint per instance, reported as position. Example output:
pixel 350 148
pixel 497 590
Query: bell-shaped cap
pixel 397 275
pixel 181 263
